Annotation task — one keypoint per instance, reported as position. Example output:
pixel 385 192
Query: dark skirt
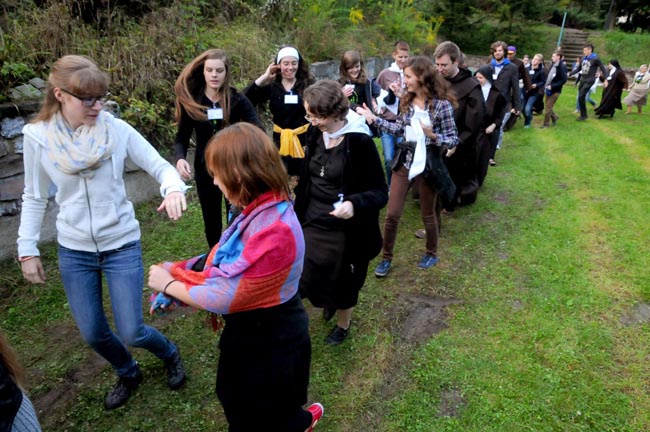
pixel 263 371
pixel 330 277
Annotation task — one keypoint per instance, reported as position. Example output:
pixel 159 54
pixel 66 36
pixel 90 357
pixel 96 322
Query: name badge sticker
pixel 495 76
pixel 291 99
pixel 215 114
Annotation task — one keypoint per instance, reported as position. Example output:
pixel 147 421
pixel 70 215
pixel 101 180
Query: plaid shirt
pixel 441 115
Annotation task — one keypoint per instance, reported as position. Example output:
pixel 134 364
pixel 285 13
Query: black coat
pixel 469 117
pixel 508 84
pixel 364 184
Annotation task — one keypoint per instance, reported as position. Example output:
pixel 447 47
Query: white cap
pixel 287 52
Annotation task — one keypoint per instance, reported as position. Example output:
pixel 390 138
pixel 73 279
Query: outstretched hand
pixel 175 204
pixel 366 113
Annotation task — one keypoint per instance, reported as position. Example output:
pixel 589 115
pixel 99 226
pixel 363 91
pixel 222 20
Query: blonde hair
pixel 247 164
pixel 190 86
pixel 77 74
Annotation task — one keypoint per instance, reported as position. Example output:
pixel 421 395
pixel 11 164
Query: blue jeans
pixel 528 109
pixel 388 143
pixel 81 273
pixel 506 117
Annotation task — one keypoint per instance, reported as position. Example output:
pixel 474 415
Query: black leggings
pixel 210 198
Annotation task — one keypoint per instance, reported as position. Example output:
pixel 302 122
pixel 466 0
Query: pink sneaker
pixel 317 411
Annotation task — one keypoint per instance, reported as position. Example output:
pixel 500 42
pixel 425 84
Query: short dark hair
pixel 590 46
pixel 325 99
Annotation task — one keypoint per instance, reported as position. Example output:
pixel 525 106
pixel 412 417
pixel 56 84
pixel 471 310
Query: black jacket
pixel 364 184
pixel 559 79
pixel 241 110
pixel 508 84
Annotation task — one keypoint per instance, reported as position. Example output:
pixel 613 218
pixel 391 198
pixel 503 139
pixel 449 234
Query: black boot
pixel 175 371
pixel 122 391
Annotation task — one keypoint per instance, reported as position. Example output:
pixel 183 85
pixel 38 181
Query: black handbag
pixel 436 174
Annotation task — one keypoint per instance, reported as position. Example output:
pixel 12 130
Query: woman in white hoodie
pixel 82 150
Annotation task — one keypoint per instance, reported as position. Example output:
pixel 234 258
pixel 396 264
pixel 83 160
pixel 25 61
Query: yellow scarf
pixel 289 142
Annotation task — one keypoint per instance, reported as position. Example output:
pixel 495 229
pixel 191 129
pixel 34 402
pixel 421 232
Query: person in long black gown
pixel 615 82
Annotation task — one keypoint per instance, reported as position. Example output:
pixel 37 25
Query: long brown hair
pixel 77 74
pixel 349 60
pixel 190 86
pixel 433 84
pixel 246 162
pixel 8 359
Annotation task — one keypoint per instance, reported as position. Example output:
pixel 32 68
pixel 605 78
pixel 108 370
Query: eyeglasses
pixel 311 118
pixel 89 101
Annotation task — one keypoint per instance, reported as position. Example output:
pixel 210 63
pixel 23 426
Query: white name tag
pixel 495 76
pixel 291 99
pixel 215 114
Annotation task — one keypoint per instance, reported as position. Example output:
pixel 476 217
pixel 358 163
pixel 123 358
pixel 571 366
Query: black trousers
pixel 210 197
pixel 582 94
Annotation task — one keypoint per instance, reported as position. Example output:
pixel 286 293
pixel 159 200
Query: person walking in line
pixel 82 150
pixel 251 277
pixel 426 120
pixel 590 65
pixel 281 87
pixel 388 101
pixel 469 117
pixel 638 90
pixel 557 77
pixel 537 82
pixel 615 82
pixel 341 190
pixel 358 87
pixel 495 105
pixel 506 79
pixel 206 102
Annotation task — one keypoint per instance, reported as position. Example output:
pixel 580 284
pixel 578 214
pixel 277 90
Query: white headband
pixel 287 52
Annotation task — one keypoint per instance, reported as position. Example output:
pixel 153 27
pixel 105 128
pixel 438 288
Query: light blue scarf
pixel 79 151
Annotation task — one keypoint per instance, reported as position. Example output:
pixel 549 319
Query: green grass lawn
pixel 544 279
